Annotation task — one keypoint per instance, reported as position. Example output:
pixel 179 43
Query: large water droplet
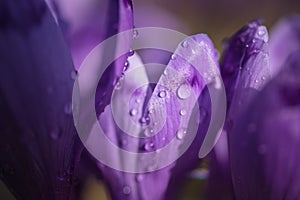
pixel 126 190
pixel 184 91
pixel 182 112
pixel 162 94
pixel 149 146
pixel 133 112
pixel 181 133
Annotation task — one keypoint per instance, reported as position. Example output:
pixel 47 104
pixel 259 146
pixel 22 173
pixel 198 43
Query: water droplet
pixel 173 57
pixel 135 34
pixel 131 52
pixel 184 91
pixel 165 72
pixel 118 85
pixel 184 44
pixel 247 45
pixel 262 33
pixel 149 146
pixel 139 178
pixel 263 78
pixel 133 112
pixel 162 94
pixel 148 132
pixel 138 101
pixel 145 120
pixel 181 133
pixel 126 190
pixel 55 133
pixel 256 80
pixel 68 108
pixel 126 65
pixel 182 112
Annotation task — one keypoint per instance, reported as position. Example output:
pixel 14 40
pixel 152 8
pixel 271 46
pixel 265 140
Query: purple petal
pixel 174 96
pixel 39 146
pixel 85 25
pixel 265 145
pixel 245 70
pixel 284 40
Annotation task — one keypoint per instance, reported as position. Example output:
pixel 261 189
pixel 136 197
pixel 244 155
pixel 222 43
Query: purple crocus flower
pixel 41 52
pixel 264 144
pixel 40 148
pixel 245 70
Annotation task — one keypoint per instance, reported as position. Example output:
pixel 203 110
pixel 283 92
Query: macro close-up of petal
pixel 264 146
pixel 149 100
pixel 39 144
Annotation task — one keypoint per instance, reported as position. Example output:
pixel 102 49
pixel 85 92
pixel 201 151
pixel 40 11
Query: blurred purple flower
pixel 245 70
pixel 264 144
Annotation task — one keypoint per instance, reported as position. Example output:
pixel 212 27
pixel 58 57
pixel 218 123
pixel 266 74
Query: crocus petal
pixel 85 25
pixel 284 40
pixel 245 70
pixel 39 146
pixel 265 145
pixel 172 99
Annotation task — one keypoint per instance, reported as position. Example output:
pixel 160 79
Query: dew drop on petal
pixel 133 112
pixel 126 65
pixel 148 132
pixel 180 133
pixel 182 112
pixel 149 146
pixel 126 190
pixel 131 52
pixel 184 91
pixel 162 94
pixel 118 85
pixel 135 34
pixel 173 57
pixel 184 44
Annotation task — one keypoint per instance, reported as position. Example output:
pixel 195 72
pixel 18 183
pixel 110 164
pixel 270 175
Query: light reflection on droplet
pixel 181 133
pixel 184 91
